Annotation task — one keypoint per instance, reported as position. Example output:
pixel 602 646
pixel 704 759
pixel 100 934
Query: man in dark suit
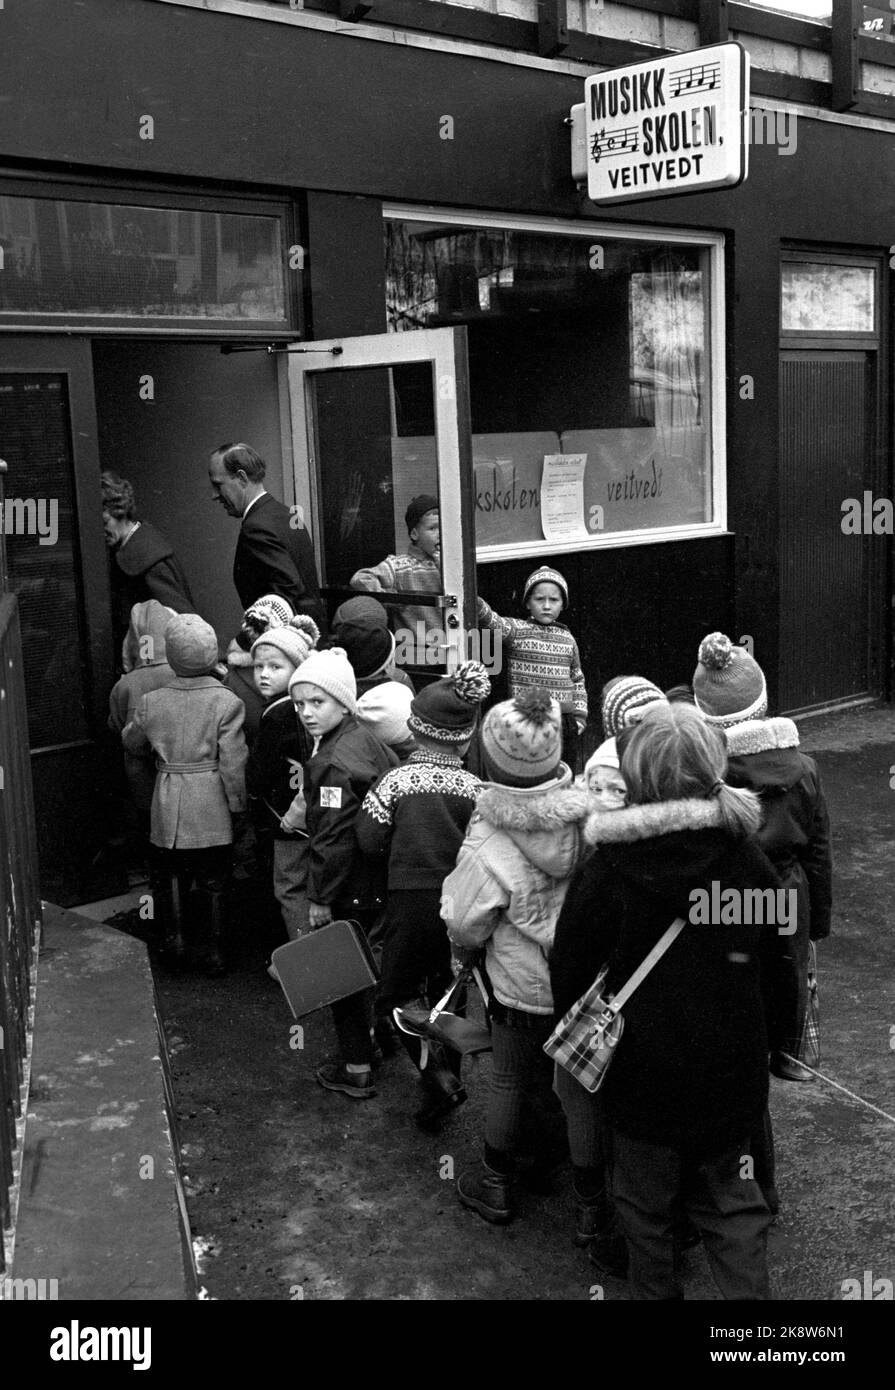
pixel 274 553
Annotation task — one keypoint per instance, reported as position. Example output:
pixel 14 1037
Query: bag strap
pixel 646 966
pixel 454 986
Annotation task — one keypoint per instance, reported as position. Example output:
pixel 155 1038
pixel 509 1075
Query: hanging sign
pixel 668 126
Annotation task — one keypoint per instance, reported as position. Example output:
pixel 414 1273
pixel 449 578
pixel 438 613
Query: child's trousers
pixel 650 1183
pixel 416 954
pixel 290 881
pixel 521 1077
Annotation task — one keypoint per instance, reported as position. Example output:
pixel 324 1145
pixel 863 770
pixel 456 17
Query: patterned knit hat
pixel 191 645
pixel 728 683
pixel 331 671
pixel 624 700
pixel 385 710
pixel 522 739
pixel 418 508
pixel 296 639
pixel 445 711
pixel 546 575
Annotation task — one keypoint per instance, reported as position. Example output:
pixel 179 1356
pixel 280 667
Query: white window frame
pixel 713 243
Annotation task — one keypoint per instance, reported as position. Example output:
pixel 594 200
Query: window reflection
pixel 577 345
pixel 122 260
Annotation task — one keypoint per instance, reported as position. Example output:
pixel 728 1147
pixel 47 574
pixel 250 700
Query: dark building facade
pixel 182 178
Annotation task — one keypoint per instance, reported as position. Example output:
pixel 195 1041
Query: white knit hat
pixel 384 709
pixel 331 671
pixel 604 756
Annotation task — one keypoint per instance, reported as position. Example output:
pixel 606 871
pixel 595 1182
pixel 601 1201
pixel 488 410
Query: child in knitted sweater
pixel 418 570
pixel 418 814
pixel 544 654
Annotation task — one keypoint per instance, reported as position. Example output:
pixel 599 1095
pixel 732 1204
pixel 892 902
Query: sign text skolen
pixel 667 126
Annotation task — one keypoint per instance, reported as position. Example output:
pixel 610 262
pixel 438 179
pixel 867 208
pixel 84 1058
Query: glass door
pixel 383 469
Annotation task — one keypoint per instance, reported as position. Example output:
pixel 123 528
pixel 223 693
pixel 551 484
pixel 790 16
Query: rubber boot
pixel 592 1216
pixel 170 906
pixel 215 963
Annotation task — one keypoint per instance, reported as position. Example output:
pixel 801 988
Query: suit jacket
pixel 276 557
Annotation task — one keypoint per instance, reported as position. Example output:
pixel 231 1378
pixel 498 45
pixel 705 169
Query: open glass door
pixel 378 423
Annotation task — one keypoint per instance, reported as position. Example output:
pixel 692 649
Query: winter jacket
pixel 274 771
pixel 148 671
pixel 240 678
pixel 691 1069
pixel 509 883
pixel 763 755
pixel 146 567
pixel 195 728
pixel 418 813
pixel 348 760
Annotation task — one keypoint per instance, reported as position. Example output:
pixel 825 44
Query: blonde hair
pixel 674 755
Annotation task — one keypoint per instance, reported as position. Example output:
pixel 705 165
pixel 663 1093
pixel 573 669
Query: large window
pixel 595 416
pixel 124 263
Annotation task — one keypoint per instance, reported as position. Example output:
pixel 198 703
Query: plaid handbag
pixel 585 1039
pixel 809 1051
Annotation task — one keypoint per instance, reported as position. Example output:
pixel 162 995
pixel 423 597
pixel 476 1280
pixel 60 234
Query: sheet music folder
pixel 328 964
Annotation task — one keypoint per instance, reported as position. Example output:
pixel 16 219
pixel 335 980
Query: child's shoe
pixel 489 1193
pixel 335 1076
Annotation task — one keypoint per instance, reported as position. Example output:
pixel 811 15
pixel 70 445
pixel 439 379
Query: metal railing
pixel 19 897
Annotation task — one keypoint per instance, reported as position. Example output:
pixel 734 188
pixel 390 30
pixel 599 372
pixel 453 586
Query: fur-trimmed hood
pixel 648 821
pixel 545 824
pixel 661 846
pixel 764 754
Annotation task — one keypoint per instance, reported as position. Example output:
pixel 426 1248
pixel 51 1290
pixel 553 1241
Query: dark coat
pixel 281 748
pixel 337 778
pixel 146 567
pixel 691 1071
pixel 274 556
pixel 764 756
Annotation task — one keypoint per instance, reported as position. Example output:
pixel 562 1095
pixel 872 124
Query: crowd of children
pixel 362 807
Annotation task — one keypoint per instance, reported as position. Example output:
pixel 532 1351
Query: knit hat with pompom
pixel 444 712
pixel 728 684
pixel 522 739
pixel 296 639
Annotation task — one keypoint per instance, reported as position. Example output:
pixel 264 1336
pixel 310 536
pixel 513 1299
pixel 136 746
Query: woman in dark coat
pixel 145 564
pixel 689 1082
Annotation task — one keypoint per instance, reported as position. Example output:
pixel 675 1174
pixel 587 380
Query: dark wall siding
pixel 241 100
pixel 353 122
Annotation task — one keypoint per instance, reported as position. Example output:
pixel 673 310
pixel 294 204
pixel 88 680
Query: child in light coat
pixel 195 728
pixel 505 894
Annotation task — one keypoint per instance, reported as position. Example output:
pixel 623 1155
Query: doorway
pixel 831 426
pixel 151 410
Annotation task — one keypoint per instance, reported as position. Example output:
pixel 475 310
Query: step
pixel 101 1208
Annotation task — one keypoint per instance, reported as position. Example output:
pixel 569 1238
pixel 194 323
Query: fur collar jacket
pixel 510 879
pixel 691 1069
